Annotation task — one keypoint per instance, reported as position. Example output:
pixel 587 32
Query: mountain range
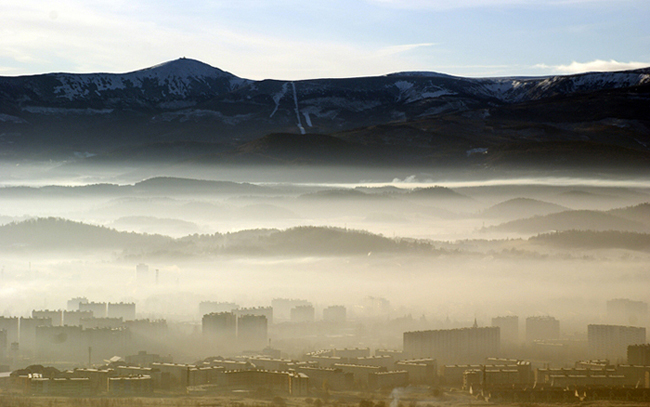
pixel 185 110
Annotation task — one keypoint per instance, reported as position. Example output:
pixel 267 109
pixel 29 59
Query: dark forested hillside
pixel 62 234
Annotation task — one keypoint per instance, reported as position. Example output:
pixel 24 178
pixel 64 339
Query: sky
pixel 306 39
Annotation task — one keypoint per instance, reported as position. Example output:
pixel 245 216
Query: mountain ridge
pixel 54 116
pixel 63 234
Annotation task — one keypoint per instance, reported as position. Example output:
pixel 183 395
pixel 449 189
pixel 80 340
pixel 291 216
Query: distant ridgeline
pixel 187 111
pixel 57 234
pixel 45 234
pixel 596 239
pixel 61 234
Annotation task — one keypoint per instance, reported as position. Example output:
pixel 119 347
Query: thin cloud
pixel 89 40
pixel 397 49
pixel 597 65
pixel 80 38
pixel 440 4
pixel 457 4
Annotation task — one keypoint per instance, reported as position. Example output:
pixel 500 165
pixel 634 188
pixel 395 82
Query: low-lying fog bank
pixel 433 252
pixel 455 287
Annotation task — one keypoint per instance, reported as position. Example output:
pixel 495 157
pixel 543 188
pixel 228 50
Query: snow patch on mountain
pixel 278 97
pixel 318 111
pixel 403 86
pixel 307 118
pixel 518 90
pixel 406 89
pixel 479 150
pixel 607 79
pixel 236 83
pixel 295 100
pixel 77 86
pixel 430 95
pixel 497 87
pixel 409 93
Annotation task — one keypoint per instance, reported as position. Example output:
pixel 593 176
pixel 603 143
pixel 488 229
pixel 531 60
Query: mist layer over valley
pixel 435 256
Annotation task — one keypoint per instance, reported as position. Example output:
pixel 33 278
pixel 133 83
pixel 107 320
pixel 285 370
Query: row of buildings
pixel 468 345
pixel 346 369
pixel 124 310
pixel 91 340
pixel 282 309
pixel 331 369
pixel 226 330
pixel 620 311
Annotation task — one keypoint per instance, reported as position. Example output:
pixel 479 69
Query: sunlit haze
pixel 364 203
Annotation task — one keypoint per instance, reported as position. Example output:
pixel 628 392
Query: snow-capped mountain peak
pixel 182 68
pixel 178 80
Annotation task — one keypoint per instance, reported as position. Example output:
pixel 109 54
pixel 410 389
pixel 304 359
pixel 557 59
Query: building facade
pixel 611 341
pixel 464 345
pixel 252 332
pixel 541 329
pixel 509 326
pixel 638 355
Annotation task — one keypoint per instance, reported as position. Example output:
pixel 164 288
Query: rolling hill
pixel 518 208
pixel 571 220
pixel 61 234
pixel 588 239
pixel 56 234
